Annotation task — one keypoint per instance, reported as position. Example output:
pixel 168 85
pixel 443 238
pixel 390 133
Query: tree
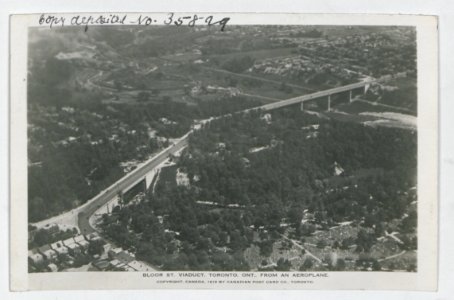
pixel 143 97
pixel 238 65
pixel 376 265
pixel 307 229
pixel 283 265
pixel 321 244
pixel 285 88
pixel 266 248
pixel 118 85
pixel 232 81
pixel 411 268
pixel 409 223
pixel 95 248
pixel 307 264
pixel 365 240
pixel 340 265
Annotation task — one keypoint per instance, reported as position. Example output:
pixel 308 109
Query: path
pixel 302 248
pixel 384 105
pixel 393 256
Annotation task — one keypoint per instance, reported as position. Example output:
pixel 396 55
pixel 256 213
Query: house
pixel 82 242
pixel 72 246
pixel 267 118
pixel 107 247
pixel 52 267
pixel 120 267
pixel 313 127
pixel 114 252
pixel 93 237
pixel 101 265
pixel 220 146
pixel 182 178
pixel 68 242
pixel 74 249
pixel 196 90
pixel 139 266
pixel 59 248
pixel 117 265
pixel 35 259
pixel 115 262
pixel 31 235
pixel 338 170
pixel 51 229
pixel 125 257
pixel 47 252
pixel 246 162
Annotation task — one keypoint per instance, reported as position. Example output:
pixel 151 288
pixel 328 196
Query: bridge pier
pixel 149 178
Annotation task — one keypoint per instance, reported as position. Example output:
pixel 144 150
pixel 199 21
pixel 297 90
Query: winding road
pixel 125 182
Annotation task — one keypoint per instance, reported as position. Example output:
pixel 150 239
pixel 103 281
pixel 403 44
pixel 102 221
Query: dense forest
pixel 71 171
pixel 76 142
pixel 250 174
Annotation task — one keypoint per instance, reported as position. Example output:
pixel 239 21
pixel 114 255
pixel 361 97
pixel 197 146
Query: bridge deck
pixel 315 95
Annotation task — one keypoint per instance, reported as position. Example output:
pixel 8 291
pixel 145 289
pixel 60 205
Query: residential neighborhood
pixel 82 253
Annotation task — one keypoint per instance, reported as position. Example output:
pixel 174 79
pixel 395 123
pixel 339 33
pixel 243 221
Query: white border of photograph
pixel 427 65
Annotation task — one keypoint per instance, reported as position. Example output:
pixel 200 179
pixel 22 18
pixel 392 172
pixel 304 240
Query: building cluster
pixel 182 178
pixel 80 250
pixel 300 66
pixel 63 254
pixel 120 260
pixel 373 53
pixel 200 89
pixel 311 131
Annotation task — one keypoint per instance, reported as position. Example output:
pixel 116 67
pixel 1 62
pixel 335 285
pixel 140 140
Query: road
pixel 123 183
pixel 403 109
pixel 393 256
pixel 302 248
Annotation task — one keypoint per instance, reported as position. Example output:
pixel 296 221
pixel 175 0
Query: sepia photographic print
pixel 217 150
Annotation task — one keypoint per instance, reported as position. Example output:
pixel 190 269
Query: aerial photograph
pixel 252 148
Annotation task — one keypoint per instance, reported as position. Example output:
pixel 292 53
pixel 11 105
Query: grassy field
pixel 405 96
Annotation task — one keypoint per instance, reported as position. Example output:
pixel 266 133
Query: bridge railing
pixel 315 95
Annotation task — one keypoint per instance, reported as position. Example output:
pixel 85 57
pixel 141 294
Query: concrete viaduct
pixel 147 170
pixel 321 94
